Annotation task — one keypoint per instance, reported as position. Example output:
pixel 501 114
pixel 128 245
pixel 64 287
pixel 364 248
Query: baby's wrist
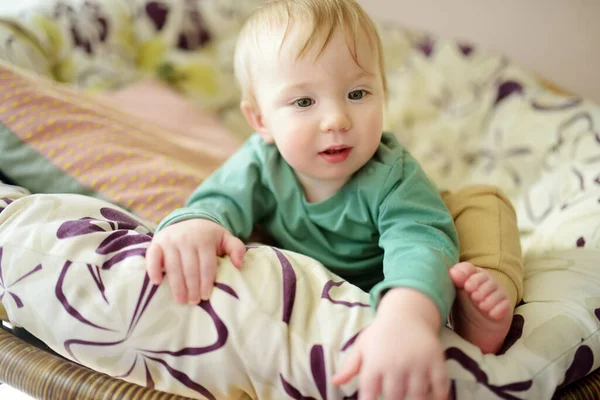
pixel 409 303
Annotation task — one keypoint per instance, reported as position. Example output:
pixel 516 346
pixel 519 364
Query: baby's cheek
pixel 294 154
pixel 374 117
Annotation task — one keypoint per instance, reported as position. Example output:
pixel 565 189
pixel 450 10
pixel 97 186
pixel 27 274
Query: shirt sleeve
pixel 233 196
pixel 418 236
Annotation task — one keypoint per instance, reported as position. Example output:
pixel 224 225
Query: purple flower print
pixel 147 356
pixel 325 295
pixel 499 156
pixel 124 238
pixel 350 341
pixel 441 155
pixel 577 145
pixel 122 242
pixel 465 48
pixel 88 25
pixel 582 364
pixel 6 202
pixel 62 298
pixel 463 103
pixel 426 46
pixel 577 152
pixel 157 12
pixel 514 333
pixel 4 287
pixel 194 32
pixel 289 288
pixel 126 234
pixel 560 105
pixel 508 88
pixel 116 219
pixel 502 391
pixel 317 356
pixel 319 375
pixel 292 391
pixel 289 285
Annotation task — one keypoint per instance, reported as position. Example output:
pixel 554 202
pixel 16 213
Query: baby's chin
pixel 336 175
pixel 321 170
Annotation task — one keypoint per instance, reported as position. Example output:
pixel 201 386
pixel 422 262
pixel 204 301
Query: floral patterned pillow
pixel 72 272
pixel 105 45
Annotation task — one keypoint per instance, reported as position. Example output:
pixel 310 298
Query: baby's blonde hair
pixel 318 18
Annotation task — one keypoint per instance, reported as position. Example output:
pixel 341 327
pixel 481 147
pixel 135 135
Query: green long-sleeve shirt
pixel 386 227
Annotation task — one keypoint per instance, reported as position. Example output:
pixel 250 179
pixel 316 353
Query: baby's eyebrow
pixel 303 86
pixel 300 86
pixel 295 87
pixel 363 74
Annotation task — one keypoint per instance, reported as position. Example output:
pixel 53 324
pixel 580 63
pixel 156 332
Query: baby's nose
pixel 337 121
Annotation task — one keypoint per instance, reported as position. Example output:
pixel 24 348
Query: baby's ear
pixel 254 118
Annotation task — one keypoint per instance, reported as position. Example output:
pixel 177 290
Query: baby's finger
pixel 440 385
pixel 370 385
pixel 417 385
pixel 349 369
pixel 191 274
pixel 175 274
pixel 234 248
pixel 208 268
pixel 394 387
pixel 154 262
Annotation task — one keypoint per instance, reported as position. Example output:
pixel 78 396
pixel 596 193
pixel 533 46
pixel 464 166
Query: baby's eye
pixel 357 94
pixel 305 102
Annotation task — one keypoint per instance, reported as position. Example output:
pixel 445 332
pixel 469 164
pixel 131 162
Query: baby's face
pixel 324 114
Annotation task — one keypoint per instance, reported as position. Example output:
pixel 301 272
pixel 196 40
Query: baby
pixel 323 180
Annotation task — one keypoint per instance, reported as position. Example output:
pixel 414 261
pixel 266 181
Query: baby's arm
pixel 418 236
pixel 222 209
pixel 399 353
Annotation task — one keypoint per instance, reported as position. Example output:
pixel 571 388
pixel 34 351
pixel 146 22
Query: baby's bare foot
pixel 481 313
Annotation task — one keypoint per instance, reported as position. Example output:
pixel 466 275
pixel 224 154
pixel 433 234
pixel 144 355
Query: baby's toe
pixel 475 281
pixel 465 267
pixel 500 310
pixel 484 290
pixel 492 301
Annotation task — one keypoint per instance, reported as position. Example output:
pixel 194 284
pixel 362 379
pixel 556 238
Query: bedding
pixel 72 254
pixel 57 140
pixel 277 328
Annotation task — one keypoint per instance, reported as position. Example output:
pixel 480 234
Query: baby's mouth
pixel 336 150
pixel 336 154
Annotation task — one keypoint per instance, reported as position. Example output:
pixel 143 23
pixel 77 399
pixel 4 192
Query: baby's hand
pixel 398 356
pixel 187 251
